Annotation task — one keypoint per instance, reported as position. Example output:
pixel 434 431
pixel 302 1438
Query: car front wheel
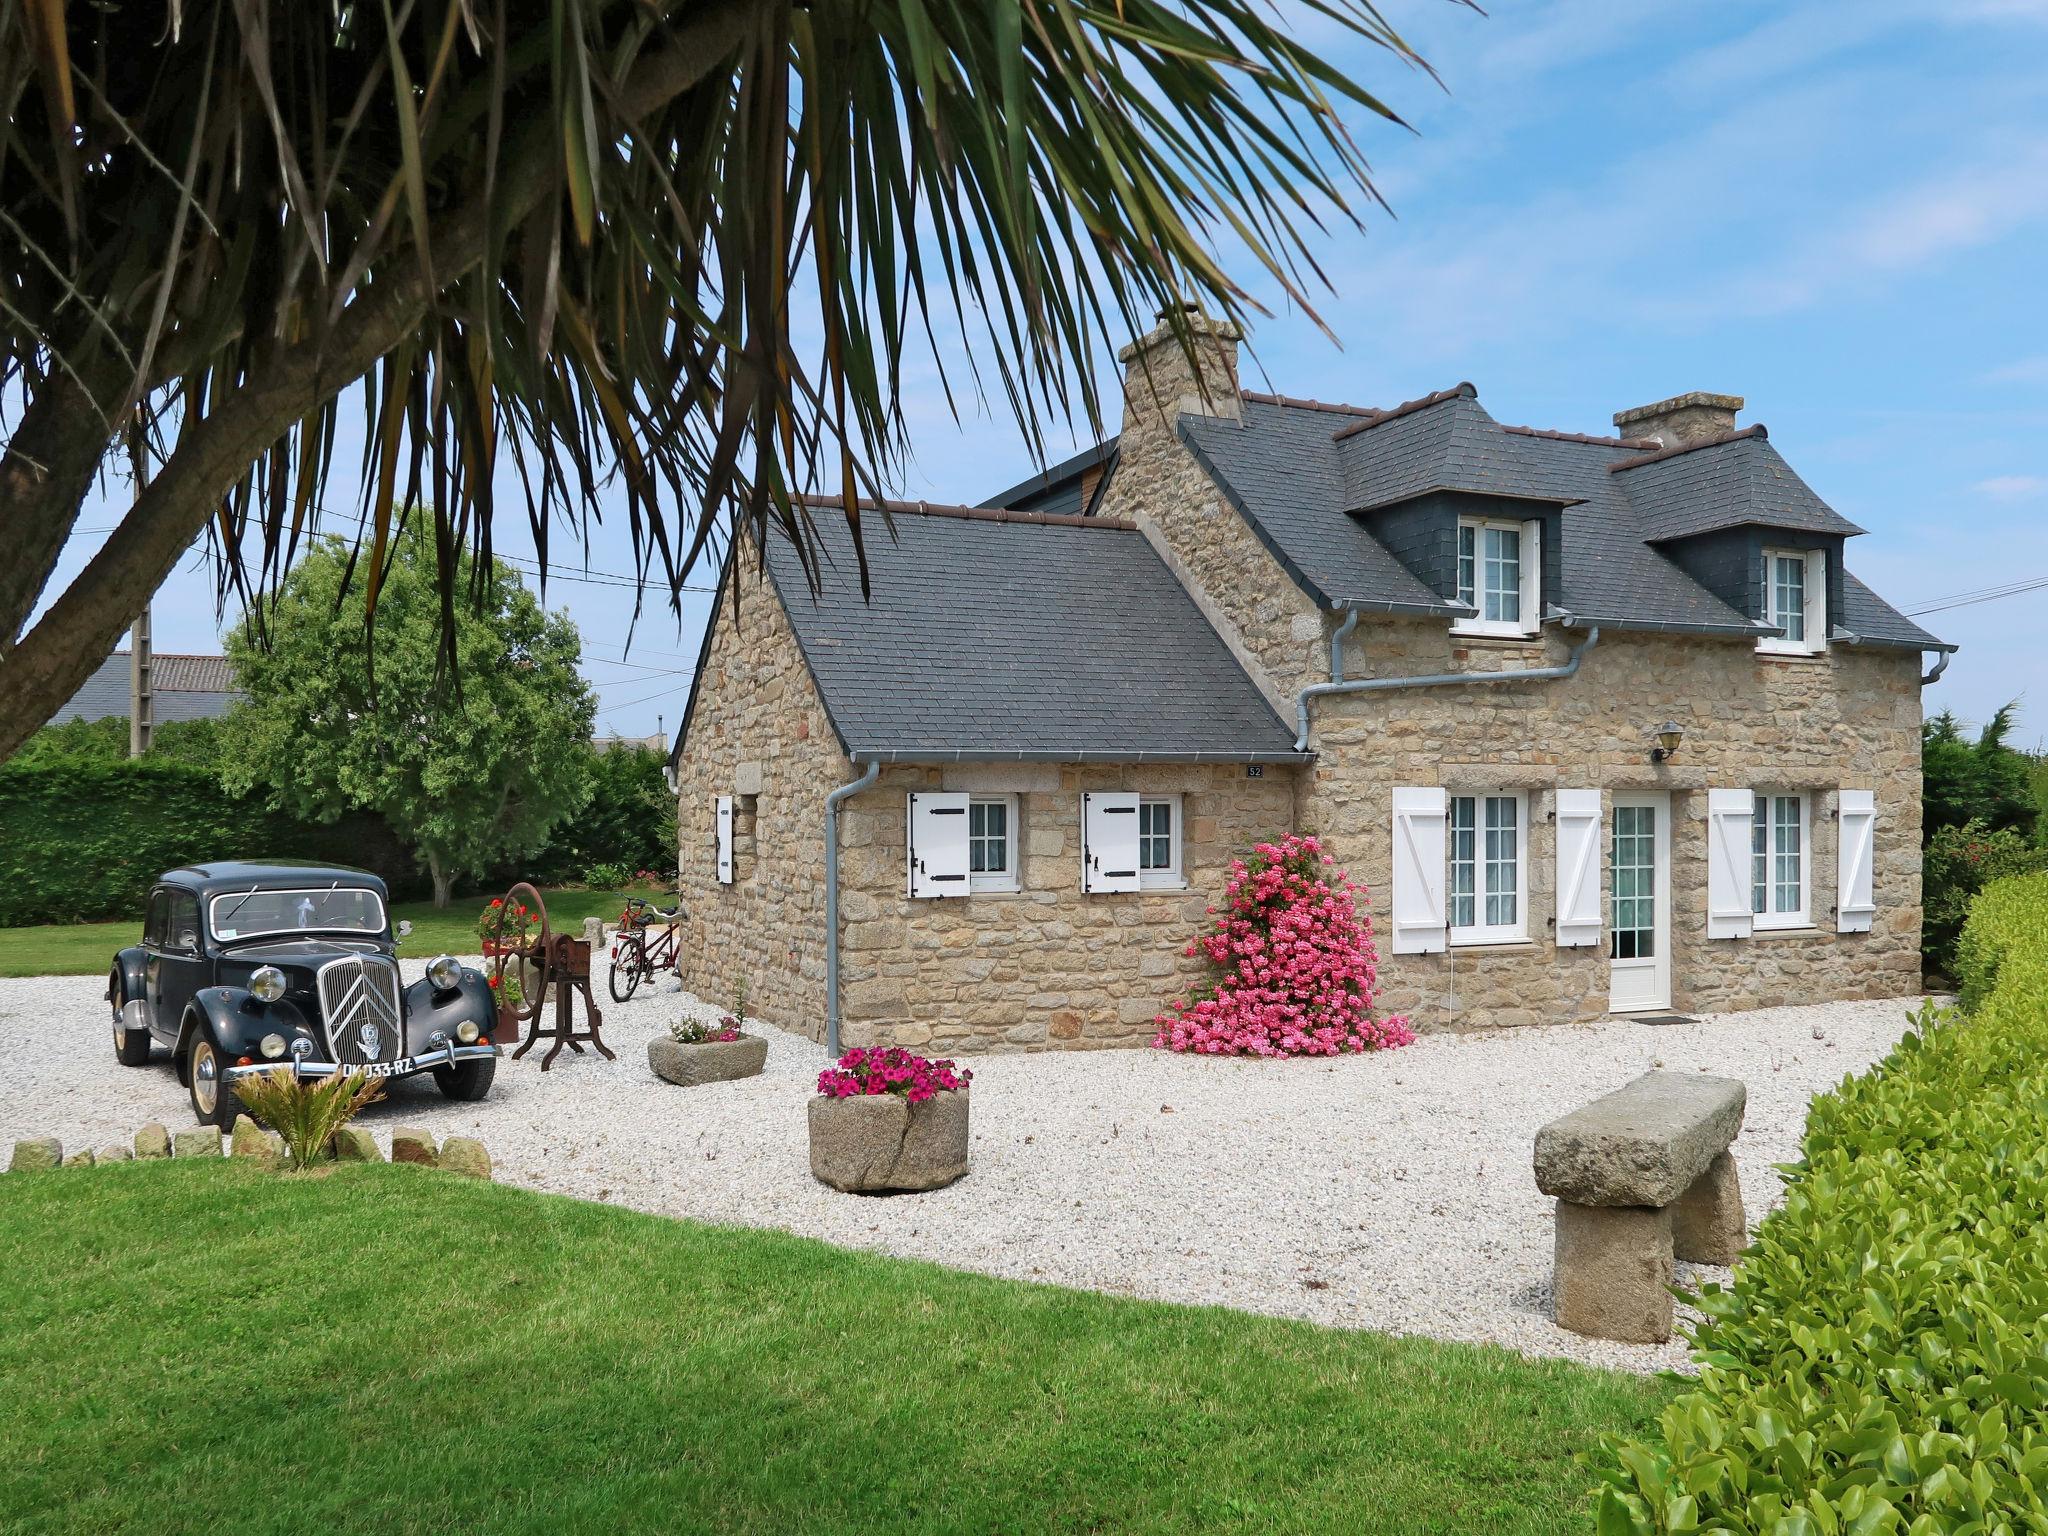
pixel 213 1097
pixel 468 1081
pixel 131 1046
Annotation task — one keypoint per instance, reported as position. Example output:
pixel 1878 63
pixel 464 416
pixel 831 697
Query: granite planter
pixel 714 1061
pixel 881 1142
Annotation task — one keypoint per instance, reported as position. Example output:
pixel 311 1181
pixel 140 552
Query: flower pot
pixel 875 1142
pixel 713 1061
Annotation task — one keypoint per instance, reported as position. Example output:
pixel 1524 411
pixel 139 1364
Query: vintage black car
pixel 284 967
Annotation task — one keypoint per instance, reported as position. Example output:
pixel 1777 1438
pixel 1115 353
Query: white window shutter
pixel 1817 600
pixel 1578 868
pixel 1419 870
pixel 1855 849
pixel 723 817
pixel 1731 822
pixel 1532 575
pixel 1109 840
pixel 938 842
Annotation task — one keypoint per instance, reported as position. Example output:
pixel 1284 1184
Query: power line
pixel 1980 595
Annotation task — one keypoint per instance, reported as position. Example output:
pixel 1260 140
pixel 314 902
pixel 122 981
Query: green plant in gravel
pixel 307 1112
pixel 1880 1364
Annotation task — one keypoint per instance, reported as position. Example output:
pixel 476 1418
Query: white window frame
pixel 1171 877
pixel 1479 931
pixel 1764 821
pixel 1529 567
pixel 1814 591
pixel 1005 879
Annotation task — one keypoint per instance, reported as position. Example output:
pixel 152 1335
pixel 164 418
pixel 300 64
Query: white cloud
pixel 2025 370
pixel 2012 487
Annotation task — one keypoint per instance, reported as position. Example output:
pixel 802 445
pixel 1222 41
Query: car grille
pixel 360 1006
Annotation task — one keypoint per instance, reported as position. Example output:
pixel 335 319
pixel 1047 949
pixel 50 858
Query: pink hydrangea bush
pixel 1292 964
pixel 890 1069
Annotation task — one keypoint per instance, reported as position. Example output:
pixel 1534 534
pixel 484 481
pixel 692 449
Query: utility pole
pixel 141 690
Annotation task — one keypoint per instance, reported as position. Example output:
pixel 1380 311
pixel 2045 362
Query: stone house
pixel 1603 723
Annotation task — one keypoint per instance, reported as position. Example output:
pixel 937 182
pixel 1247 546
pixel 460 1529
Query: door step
pixel 1665 1018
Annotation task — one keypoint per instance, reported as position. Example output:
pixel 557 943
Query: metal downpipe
pixel 843 792
pixel 1929 679
pixel 1427 680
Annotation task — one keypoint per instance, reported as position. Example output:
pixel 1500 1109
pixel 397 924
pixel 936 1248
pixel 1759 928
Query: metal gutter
pixel 1928 679
pixel 1065 755
pixel 1338 684
pixel 843 792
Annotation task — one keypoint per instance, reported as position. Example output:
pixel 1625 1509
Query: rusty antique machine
pixel 546 960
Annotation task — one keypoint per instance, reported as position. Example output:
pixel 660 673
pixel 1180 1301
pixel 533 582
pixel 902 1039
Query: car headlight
pixel 267 984
pixel 467 1031
pixel 272 1046
pixel 445 972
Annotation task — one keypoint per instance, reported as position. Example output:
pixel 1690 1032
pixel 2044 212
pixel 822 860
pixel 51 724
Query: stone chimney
pixel 1159 386
pixel 1682 420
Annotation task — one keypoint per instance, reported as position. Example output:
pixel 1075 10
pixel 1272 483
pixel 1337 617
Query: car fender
pixel 130 965
pixel 239 1020
pixel 427 1009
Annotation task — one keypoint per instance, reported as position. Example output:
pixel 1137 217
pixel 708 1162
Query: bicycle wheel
pixel 629 964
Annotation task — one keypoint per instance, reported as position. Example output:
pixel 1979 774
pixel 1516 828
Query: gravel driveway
pixel 1390 1191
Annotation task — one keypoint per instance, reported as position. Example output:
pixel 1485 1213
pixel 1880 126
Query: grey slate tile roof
pixel 1003 639
pixel 1449 446
pixel 1300 478
pixel 1742 480
pixel 185 687
pixel 1281 470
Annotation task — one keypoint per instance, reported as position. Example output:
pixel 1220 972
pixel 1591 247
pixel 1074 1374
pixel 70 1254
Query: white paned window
pixel 1159 841
pixel 992 843
pixel 1488 860
pixel 1796 601
pixel 1499 566
pixel 1779 862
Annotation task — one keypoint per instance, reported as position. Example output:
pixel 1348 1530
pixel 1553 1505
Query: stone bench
pixel 1641 1177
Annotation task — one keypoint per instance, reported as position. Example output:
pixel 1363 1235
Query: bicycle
pixel 636 957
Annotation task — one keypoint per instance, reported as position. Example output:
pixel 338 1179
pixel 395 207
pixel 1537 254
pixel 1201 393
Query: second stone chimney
pixel 1159 384
pixel 1682 420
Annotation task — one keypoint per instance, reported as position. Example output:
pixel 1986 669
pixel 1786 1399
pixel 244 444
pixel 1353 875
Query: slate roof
pixel 1302 472
pixel 998 636
pixel 185 687
pixel 1741 479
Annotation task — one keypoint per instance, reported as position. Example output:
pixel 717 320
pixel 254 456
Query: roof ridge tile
pixel 1464 390
pixel 1756 429
pixel 1549 434
pixel 972 514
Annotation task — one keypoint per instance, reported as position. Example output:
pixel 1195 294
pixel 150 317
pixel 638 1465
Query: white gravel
pixel 1390 1191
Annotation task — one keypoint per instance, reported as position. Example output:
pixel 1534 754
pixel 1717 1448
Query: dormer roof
pixel 1732 481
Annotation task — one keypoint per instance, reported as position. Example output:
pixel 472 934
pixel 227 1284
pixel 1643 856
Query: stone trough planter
pixel 714 1061
pixel 880 1143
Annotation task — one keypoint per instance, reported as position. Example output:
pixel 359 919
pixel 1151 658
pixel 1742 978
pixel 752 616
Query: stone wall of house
pixel 1272 625
pixel 1045 967
pixel 1847 720
pixel 759 733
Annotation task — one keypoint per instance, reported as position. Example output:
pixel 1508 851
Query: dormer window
pixel 1500 566
pixel 1796 601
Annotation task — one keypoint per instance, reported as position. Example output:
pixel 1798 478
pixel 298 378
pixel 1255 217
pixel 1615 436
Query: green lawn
pixel 188 1348
pixel 86 949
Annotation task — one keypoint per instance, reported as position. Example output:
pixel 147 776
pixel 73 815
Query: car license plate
pixel 387 1068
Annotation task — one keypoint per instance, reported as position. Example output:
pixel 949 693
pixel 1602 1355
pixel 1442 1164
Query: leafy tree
pixel 630 820
pixel 473 776
pixel 686 245
pixel 75 741
pixel 1986 781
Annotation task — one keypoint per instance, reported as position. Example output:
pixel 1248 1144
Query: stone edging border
pixel 352 1144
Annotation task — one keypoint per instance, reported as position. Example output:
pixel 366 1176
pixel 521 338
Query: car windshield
pixel 249 914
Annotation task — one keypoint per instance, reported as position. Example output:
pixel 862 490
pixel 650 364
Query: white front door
pixel 1639 916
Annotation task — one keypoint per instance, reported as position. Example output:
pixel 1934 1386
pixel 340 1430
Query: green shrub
pixel 2005 918
pixel 81 840
pixel 1880 1363
pixel 1958 863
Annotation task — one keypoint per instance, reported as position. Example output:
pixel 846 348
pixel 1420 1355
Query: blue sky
pixel 1836 210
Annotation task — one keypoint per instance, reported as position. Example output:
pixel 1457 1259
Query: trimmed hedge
pixel 82 840
pixel 1881 1361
